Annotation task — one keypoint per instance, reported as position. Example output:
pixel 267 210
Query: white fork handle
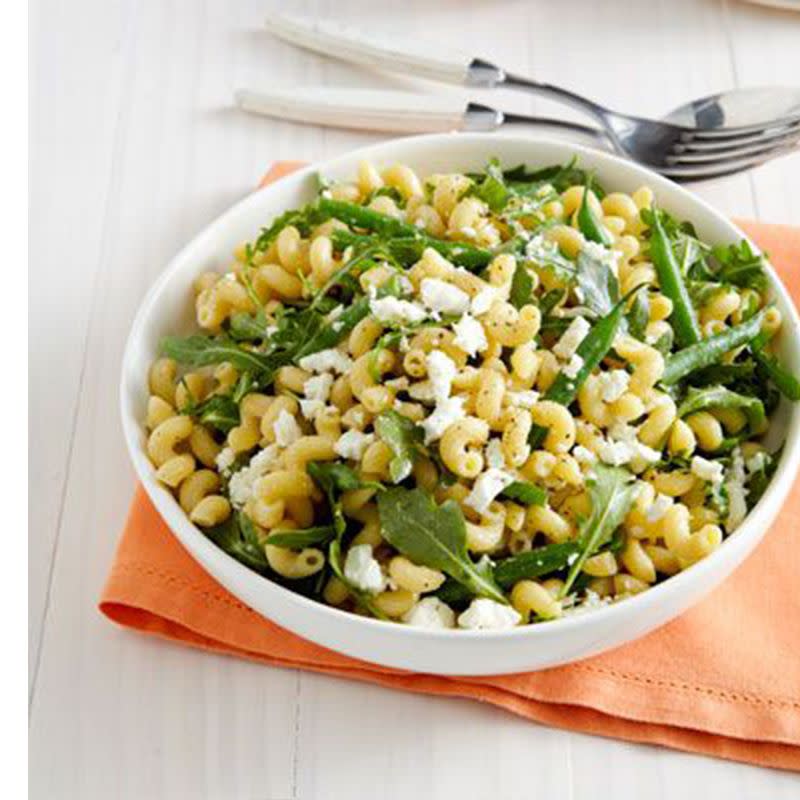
pixel 423 60
pixel 404 112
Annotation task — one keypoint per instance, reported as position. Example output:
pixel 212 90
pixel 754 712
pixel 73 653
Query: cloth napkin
pixel 722 680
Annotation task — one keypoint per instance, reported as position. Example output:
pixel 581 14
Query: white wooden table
pixel 135 147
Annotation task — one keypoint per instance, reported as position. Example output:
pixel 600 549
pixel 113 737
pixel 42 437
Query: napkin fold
pixel 722 680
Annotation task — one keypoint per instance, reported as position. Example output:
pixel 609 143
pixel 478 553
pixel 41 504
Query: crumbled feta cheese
pixel 443 297
pixel 430 612
pixel 525 399
pixel 583 455
pixel 392 309
pixel 470 335
pixel 225 459
pixel 613 384
pixel 706 470
pixel 658 507
pixel 607 256
pixel 756 462
pixel 443 416
pixel 326 361
pixel 495 457
pixel 362 570
pixel 486 614
pixel 241 483
pixel 318 387
pixel 310 408
pixel 485 298
pixel 737 469
pixel 441 371
pixel 566 346
pixel 616 454
pixel 468 231
pixel 573 367
pixel 334 313
pixel 737 505
pixel 591 601
pixel 352 444
pixel 540 249
pixel 286 429
pixel 487 486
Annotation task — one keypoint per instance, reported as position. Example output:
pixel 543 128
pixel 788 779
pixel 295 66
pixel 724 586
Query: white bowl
pixel 167 308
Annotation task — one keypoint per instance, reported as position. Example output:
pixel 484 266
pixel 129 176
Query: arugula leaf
pixel 525 492
pixel 598 285
pixel 334 478
pixel 560 176
pixel 204 351
pixel 305 537
pixel 492 188
pixel 521 286
pixel 434 536
pixel 361 597
pixel 219 411
pixel 404 439
pixel 244 327
pixel 304 219
pixel 611 491
pixel 238 537
pixel 720 397
pixel 739 265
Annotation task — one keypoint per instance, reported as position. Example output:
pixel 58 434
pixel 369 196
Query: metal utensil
pixel 679 151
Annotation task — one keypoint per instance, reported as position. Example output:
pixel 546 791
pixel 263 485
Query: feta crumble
pixel 470 335
pixel 352 444
pixel 318 387
pixel 241 483
pixel 566 346
pixel 430 612
pixel 441 371
pixel 573 367
pixel 326 361
pixel 483 301
pixel 362 570
pixel 443 297
pixel 286 429
pixel 486 614
pixel 310 408
pixel 487 486
pixel 527 398
pixel 583 455
pixel 706 470
pixel 392 309
pixel 613 384
pixel 225 459
pixel 444 415
pixel 495 457
pixel 659 507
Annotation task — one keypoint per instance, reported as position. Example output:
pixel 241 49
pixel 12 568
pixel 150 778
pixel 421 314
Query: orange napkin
pixel 723 679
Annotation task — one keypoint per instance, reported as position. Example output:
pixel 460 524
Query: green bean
pixel 590 226
pixel 534 563
pixel 683 318
pixel 403 241
pixel 786 383
pixel 593 349
pixel 709 351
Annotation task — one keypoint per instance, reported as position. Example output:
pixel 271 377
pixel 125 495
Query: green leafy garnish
pixel 220 412
pixel 527 493
pixel 720 397
pixel 434 536
pixel 238 537
pixel 611 491
pixel 334 478
pixel 740 266
pixel 404 439
pixel 305 537
pixel 598 285
pixel 521 286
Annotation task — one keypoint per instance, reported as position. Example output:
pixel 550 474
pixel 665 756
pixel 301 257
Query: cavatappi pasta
pixel 472 400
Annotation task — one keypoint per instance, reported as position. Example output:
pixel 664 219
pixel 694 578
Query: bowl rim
pixel 203 550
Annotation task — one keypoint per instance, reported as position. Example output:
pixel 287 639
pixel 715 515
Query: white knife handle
pixel 404 112
pixel 420 59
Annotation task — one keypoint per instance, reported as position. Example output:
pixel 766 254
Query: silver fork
pixel 680 152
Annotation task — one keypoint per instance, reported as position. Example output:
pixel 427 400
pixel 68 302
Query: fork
pixel 679 152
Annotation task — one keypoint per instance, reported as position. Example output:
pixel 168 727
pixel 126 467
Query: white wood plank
pixel 75 122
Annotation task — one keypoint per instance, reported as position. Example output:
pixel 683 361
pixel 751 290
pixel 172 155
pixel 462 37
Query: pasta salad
pixel 472 401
